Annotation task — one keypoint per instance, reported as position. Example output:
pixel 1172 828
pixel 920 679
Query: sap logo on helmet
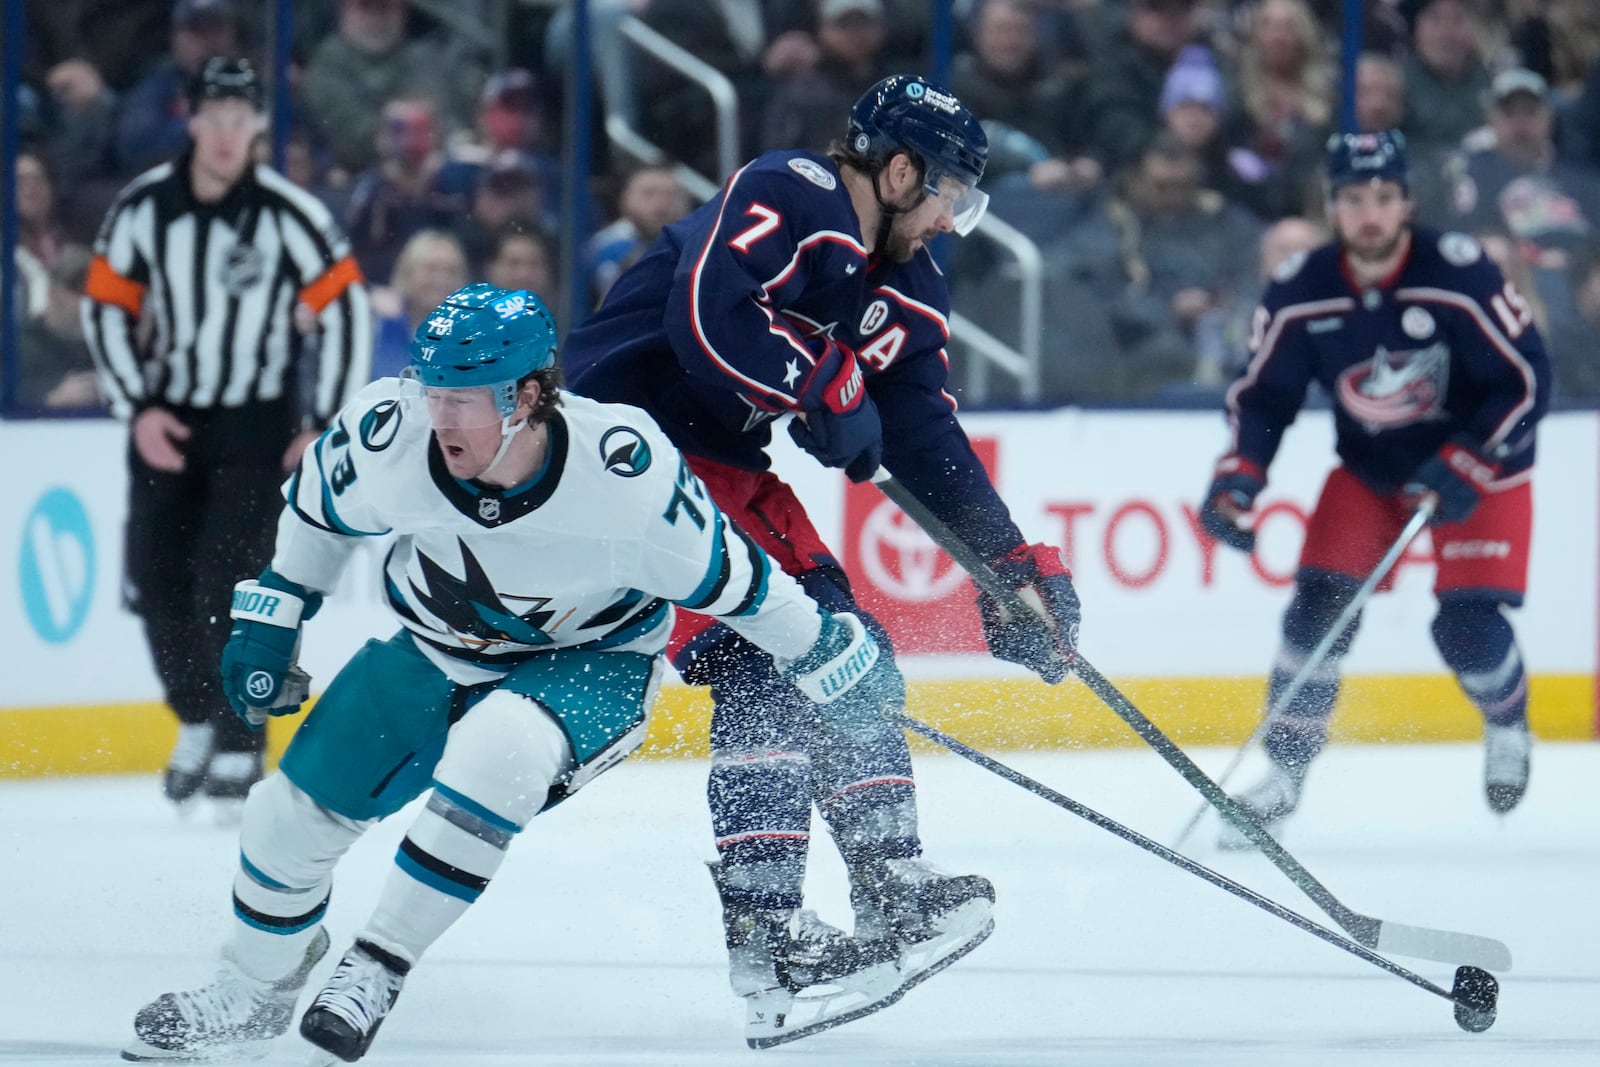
pixel 876 315
pixel 440 325
pixel 510 307
pixel 1417 323
pixel 624 452
pixel 813 172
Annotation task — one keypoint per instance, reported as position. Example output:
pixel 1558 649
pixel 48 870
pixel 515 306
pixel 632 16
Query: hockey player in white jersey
pixel 541 543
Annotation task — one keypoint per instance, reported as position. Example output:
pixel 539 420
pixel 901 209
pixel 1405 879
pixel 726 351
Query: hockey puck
pixel 1476 994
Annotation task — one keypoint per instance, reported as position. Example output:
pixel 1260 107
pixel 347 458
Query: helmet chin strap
pixel 508 432
pixel 886 213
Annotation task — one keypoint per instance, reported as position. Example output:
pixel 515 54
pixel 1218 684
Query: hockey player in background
pixel 542 540
pixel 1438 378
pixel 806 289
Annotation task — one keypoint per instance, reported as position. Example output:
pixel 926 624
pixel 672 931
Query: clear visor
pixel 967 203
pixel 461 409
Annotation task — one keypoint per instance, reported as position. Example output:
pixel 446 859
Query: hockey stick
pixel 1419 519
pixel 1474 992
pixel 1443 946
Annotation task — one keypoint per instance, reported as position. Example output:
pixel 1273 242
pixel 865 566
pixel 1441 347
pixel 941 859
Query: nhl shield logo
pixel 242 268
pixel 489 508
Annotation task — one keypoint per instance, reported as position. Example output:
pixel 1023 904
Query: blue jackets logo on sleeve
pixel 624 452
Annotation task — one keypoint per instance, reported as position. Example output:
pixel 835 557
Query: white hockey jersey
pixel 592 552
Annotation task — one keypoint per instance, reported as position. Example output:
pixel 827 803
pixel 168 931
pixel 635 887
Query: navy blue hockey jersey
pixel 1445 346
pixel 738 312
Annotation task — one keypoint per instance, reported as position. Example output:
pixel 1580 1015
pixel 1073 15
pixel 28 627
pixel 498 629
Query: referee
pixel 202 269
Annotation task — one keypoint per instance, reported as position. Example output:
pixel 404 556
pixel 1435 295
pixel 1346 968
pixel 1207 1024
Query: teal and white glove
pixel 845 672
pixel 259 675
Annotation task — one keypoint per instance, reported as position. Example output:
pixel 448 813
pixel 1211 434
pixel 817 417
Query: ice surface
pixel 599 942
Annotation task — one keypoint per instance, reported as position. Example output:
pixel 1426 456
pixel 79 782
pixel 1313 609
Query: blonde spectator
pixel 431 266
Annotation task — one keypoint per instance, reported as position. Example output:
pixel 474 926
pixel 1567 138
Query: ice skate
pixel 234 1017
pixel 931 917
pixel 1505 765
pixel 1269 802
pixel 799 975
pixel 228 780
pixel 186 767
pixel 345 1016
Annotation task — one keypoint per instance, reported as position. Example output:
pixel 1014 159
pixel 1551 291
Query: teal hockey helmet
pixel 484 336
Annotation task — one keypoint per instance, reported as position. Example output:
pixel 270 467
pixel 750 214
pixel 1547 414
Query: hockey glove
pixel 1457 475
pixel 259 674
pixel 845 671
pixel 1232 494
pixel 840 424
pixel 1046 641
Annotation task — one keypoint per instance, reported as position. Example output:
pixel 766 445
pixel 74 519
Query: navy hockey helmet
pixel 225 78
pixel 908 113
pixel 484 336
pixel 1354 158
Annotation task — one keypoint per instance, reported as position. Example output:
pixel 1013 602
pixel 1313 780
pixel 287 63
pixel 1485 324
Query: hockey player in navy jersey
pixel 806 289
pixel 541 541
pixel 1438 379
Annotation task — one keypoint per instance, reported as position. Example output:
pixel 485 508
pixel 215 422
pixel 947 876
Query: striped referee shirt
pixel 192 304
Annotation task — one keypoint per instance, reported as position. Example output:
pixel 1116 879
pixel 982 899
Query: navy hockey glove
pixel 846 672
pixel 1046 642
pixel 1232 494
pixel 843 430
pixel 259 674
pixel 1457 475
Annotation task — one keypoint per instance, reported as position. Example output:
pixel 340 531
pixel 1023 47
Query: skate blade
pixel 966 927
pixel 140 1052
pixel 779 1017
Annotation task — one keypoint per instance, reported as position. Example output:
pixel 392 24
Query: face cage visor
pixel 967 203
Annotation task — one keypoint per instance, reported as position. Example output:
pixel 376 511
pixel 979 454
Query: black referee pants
pixel 190 537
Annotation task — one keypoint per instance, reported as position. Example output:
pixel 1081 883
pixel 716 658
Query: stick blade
pixel 1443 946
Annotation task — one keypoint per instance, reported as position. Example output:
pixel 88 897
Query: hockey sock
pixel 1299 731
pixel 865 790
pixel 1476 643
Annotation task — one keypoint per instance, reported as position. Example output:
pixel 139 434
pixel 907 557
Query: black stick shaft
pixel 1179 860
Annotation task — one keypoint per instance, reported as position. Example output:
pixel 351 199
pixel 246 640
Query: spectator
pixel 395 198
pixel 369 62
pixel 55 368
pixel 430 267
pixel 510 130
pixel 1282 240
pixel 1126 75
pixel 1380 93
pixel 508 194
pixel 804 110
pixel 523 259
pixel 1032 112
pixel 1576 354
pixel 154 122
pixel 77 123
pixel 1282 109
pixel 1446 76
pixel 117 39
pixel 1193 102
pixel 1165 259
pixel 651 197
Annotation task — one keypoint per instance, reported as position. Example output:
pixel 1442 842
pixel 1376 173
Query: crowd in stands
pixel 1162 154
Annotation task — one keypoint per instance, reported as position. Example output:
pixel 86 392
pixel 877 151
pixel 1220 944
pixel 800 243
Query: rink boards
pixel 1187 629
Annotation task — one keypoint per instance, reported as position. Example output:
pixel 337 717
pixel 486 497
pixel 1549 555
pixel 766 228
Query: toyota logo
pixel 900 559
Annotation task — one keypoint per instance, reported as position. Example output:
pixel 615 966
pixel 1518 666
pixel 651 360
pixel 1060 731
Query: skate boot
pixel 1505 764
pixel 799 975
pixel 1269 802
pixel 931 917
pixel 228 780
pixel 236 1016
pixel 186 767
pixel 345 1016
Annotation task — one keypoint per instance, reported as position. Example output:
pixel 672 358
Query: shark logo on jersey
pixel 1395 389
pixel 471 606
pixel 380 425
pixel 624 452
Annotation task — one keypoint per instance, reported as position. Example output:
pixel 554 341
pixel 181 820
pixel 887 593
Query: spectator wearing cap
pixel 510 128
pixel 1193 110
pixel 1032 111
pixel 509 193
pixel 1126 74
pixel 804 110
pixel 153 121
pixel 1446 76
